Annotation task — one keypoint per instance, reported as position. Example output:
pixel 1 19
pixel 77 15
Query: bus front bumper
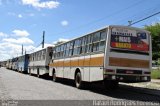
pixel 127 78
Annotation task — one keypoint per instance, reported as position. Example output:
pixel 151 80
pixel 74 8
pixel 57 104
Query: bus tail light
pixel 109 71
pixel 147 72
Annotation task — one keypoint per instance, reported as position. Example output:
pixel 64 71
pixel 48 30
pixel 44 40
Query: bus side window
pixel 67 53
pixel 102 41
pixel 79 46
pixel 102 45
pixel 64 50
pixel 61 51
pixel 96 36
pixel 103 35
pixel 75 51
pixel 89 48
pixel 95 47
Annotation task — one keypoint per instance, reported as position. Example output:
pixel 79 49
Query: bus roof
pixel 109 26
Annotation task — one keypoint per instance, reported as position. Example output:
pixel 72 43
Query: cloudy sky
pixel 23 21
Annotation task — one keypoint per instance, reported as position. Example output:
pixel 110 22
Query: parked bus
pixel 9 64
pixel 39 61
pixel 112 54
pixel 23 63
pixel 14 63
pixel 3 63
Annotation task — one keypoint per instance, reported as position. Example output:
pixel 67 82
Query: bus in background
pixel 112 54
pixel 15 63
pixel 9 64
pixel 23 63
pixel 3 63
pixel 39 61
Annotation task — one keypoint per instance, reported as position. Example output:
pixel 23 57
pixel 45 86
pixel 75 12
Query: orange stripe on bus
pixel 97 61
pixel 94 61
pixel 123 62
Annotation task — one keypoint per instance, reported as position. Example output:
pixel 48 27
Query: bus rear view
pixel 128 56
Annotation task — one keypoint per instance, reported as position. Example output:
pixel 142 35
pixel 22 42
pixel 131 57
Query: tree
pixel 155 33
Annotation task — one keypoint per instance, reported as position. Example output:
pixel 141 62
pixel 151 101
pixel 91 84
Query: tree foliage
pixel 155 33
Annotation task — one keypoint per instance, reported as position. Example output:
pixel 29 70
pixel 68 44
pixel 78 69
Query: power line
pixel 139 15
pixel 103 18
pixel 144 18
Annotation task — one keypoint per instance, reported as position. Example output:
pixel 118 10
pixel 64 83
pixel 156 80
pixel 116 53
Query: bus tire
pixel 38 73
pixel 78 80
pixel 30 72
pixel 54 77
pixel 111 85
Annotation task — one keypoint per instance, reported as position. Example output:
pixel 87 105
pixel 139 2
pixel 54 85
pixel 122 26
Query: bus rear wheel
pixel 55 79
pixel 30 72
pixel 78 81
pixel 38 75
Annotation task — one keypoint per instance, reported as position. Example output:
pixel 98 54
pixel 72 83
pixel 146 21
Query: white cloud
pixel 64 23
pixel 22 40
pixel 61 40
pixel 9 50
pixel 22 33
pixel 3 34
pixel 20 16
pixel 38 4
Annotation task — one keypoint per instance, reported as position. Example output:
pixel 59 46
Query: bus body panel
pixel 96 67
pixel 86 68
pixel 59 67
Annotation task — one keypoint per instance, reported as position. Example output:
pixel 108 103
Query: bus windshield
pixel 130 40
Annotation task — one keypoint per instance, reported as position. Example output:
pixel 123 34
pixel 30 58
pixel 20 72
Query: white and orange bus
pixel 112 54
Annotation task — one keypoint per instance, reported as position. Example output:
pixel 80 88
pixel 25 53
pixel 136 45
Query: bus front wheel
pixel 78 81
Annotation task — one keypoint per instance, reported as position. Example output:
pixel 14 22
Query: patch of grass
pixel 155 74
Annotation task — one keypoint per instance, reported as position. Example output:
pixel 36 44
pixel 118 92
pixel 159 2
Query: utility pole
pixel 43 39
pixel 22 49
pixel 130 23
